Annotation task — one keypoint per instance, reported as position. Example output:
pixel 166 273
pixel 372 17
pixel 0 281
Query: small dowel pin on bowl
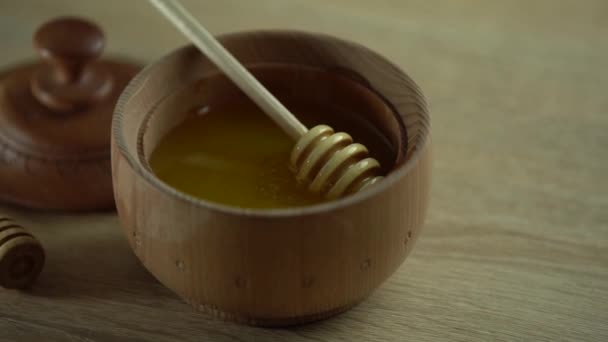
pixel 21 255
pixel 329 163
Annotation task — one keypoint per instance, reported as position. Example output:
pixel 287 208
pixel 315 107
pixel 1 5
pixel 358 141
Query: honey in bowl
pixel 231 154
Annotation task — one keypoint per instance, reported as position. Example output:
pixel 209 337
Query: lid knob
pixel 69 80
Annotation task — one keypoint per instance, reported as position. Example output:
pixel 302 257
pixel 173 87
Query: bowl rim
pixel 119 142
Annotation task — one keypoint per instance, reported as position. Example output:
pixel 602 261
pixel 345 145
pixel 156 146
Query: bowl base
pixel 273 322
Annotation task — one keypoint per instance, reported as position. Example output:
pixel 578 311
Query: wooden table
pixel 516 242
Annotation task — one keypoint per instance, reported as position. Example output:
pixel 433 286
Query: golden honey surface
pixel 231 154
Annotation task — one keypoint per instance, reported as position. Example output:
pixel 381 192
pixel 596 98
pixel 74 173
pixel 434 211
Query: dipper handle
pixel 224 60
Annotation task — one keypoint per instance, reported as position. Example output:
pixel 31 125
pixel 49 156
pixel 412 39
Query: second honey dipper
pixel 330 163
pixel 21 255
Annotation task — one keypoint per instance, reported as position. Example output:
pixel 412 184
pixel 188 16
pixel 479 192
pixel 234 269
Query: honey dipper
pixel 328 162
pixel 21 255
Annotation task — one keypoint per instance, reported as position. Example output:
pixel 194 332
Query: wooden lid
pixel 55 118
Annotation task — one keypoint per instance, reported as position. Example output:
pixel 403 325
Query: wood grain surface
pixel 516 243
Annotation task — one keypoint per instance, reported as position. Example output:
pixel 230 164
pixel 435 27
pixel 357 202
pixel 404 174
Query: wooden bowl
pixel 280 266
